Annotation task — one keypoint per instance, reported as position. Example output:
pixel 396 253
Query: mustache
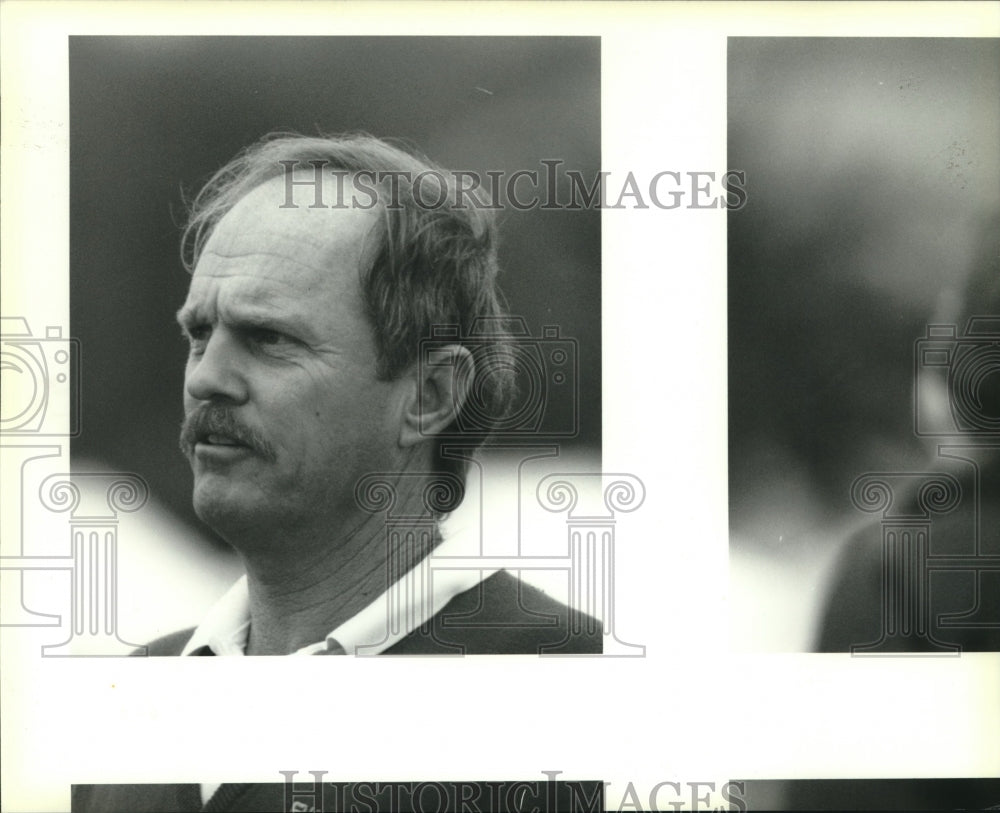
pixel 216 419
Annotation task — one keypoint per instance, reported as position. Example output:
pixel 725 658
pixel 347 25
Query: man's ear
pixel 443 381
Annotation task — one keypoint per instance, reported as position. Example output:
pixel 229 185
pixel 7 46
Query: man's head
pixel 305 325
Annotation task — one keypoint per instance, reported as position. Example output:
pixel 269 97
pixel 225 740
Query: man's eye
pixel 198 336
pixel 267 337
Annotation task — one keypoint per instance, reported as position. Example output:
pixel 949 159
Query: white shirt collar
pixel 417 597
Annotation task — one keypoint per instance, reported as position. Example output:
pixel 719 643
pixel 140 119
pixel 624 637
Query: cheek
pixel 362 417
pixel 328 419
pixel 344 416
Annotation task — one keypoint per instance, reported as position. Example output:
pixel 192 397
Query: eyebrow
pixel 246 316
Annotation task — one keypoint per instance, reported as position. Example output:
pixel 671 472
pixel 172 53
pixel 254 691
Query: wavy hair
pixel 435 264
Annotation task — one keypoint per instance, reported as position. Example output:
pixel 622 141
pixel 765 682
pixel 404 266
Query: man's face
pixel 283 408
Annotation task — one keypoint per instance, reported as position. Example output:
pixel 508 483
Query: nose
pixel 217 373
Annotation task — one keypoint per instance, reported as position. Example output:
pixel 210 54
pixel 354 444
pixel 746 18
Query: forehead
pixel 262 249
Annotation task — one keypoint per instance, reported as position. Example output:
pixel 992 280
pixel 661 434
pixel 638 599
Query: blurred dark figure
pixel 933 595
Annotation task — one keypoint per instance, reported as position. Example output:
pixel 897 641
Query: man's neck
pixel 297 599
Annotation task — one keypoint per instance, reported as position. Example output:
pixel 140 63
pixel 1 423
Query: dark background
pixel 152 117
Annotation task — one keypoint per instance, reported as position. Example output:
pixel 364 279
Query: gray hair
pixel 435 266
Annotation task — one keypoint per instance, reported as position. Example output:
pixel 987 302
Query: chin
pixel 230 512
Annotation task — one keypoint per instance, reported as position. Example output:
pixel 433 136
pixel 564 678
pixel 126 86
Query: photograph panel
pixel 506 118
pixel 864 293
